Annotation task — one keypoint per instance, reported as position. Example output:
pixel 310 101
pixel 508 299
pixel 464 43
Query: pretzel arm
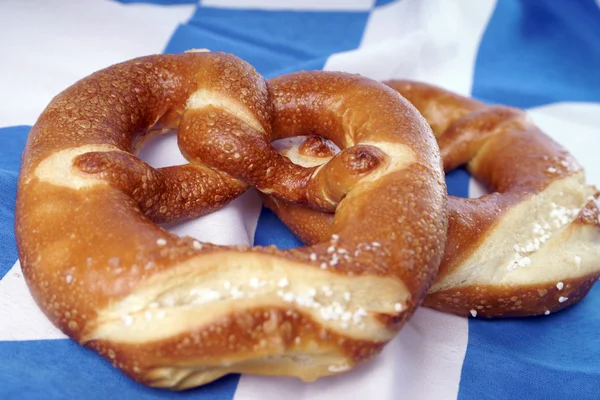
pixel 165 194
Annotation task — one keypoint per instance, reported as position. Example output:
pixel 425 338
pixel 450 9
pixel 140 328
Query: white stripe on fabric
pixel 431 40
pixel 431 342
pixel 20 317
pixel 293 5
pixel 476 188
pixel 233 224
pixel 575 126
pixel 68 40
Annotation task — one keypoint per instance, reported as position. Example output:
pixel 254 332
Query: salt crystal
pixel 283 282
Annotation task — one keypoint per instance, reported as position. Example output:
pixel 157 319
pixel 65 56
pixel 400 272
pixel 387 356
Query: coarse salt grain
pixel 283 282
pixel 398 307
pixel 236 293
pixel 288 297
pixel 197 245
pixel 161 242
pixel 560 216
pixel 562 299
pixel 127 319
pixel 69 279
pixel 337 368
pixel 547 312
pixel 334 259
pixel 358 314
pixel 560 285
pixel 473 313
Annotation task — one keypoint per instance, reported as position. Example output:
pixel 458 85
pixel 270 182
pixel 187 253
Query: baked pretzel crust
pixel 530 247
pixel 173 312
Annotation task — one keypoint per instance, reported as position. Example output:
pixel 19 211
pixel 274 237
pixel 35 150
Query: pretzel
pixel 172 312
pixel 530 247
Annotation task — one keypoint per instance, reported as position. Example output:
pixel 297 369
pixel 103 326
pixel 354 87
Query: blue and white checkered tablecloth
pixel 542 55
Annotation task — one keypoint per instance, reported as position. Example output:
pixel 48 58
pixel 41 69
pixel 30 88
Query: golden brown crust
pixel 519 163
pixel 488 301
pixel 538 230
pixel 173 312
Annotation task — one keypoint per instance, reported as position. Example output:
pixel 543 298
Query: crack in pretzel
pixel 329 299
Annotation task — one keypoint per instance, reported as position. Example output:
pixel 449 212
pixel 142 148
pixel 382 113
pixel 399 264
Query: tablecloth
pixel 542 55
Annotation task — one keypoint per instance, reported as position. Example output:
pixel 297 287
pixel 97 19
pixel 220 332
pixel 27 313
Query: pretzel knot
pixel 173 312
pixel 529 247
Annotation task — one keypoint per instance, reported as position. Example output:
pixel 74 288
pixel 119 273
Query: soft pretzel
pixel 173 312
pixel 530 247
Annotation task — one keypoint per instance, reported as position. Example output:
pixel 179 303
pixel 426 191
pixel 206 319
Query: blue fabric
pixel 547 357
pixel 43 369
pixel 383 2
pixel 458 182
pixel 13 140
pixel 540 52
pixel 271 231
pixel 274 42
pixel 532 53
